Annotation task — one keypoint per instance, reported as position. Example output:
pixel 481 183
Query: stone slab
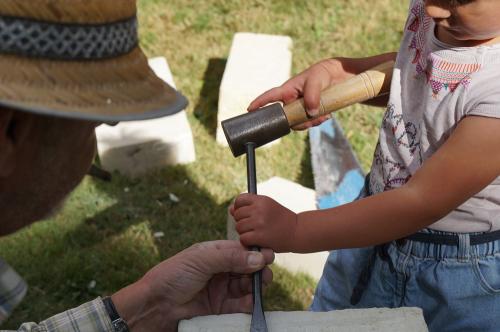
pixel 256 63
pixel 351 320
pixel 136 147
pixel 298 199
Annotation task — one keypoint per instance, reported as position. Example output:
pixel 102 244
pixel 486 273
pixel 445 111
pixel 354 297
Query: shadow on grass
pixel 288 292
pixel 206 108
pixel 277 298
pixel 113 246
pixel 306 177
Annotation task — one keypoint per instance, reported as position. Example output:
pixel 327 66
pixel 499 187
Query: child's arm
pixel 318 77
pixel 463 166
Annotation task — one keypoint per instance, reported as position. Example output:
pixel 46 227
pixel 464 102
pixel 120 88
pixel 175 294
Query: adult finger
pixel 212 260
pixel 237 305
pixel 240 285
pixel 268 255
pixel 229 244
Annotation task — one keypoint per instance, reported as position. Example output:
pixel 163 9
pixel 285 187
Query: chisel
pixel 258 318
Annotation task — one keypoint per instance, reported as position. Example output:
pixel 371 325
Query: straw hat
pixel 79 59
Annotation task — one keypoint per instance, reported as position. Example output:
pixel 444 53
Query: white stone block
pixel 136 147
pixel 162 70
pixel 351 320
pixel 256 63
pixel 298 199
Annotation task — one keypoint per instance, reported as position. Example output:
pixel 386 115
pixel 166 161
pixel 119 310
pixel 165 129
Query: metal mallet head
pixel 260 127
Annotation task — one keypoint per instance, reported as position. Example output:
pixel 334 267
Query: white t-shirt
pixel 434 86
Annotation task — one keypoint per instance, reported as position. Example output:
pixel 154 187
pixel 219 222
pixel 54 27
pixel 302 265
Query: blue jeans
pixel 458 287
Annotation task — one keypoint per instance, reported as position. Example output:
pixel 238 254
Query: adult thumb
pixel 230 256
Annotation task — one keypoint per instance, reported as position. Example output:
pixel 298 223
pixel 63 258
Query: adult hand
pixel 261 221
pixel 207 278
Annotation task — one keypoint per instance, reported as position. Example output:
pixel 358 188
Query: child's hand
pixel 307 84
pixel 311 82
pixel 263 222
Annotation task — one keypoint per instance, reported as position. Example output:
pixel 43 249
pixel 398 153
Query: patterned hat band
pixel 59 41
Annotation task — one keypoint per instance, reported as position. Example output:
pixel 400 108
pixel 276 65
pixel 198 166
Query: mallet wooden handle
pixel 362 87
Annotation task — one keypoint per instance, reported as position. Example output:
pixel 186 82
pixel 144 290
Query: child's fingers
pixel 242 213
pixel 231 209
pixel 273 95
pixel 244 200
pixel 244 226
pixel 312 123
pixel 320 120
pixel 286 93
pixel 303 126
pixel 312 92
pixel 249 239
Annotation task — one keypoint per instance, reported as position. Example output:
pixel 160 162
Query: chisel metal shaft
pixel 258 318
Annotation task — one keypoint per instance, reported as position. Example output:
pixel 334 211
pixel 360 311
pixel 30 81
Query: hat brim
pixel 112 90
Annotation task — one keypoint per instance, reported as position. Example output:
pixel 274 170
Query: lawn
pixel 104 234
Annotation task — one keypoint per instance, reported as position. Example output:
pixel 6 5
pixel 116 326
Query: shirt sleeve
pixel 88 317
pixel 483 96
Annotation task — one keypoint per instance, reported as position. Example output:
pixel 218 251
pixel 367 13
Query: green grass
pixel 104 233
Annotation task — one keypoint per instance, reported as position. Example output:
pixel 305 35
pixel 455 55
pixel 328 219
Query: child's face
pixel 466 22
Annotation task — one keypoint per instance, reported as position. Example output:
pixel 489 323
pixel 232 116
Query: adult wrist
pixel 117 322
pixel 143 310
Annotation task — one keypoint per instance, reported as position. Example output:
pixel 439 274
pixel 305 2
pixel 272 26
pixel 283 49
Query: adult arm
pixel 207 278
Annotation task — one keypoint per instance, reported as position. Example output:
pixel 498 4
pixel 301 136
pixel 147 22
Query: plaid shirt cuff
pixel 12 290
pixel 88 317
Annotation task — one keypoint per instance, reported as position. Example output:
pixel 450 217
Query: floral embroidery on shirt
pixel 443 74
pixel 406 135
pixel 439 73
pixel 394 174
pixel 419 26
pixel 405 132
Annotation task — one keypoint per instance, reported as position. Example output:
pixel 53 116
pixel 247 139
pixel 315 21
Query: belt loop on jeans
pixel 463 247
pixel 381 251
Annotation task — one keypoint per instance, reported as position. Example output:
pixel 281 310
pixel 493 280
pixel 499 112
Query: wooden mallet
pixel 274 121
